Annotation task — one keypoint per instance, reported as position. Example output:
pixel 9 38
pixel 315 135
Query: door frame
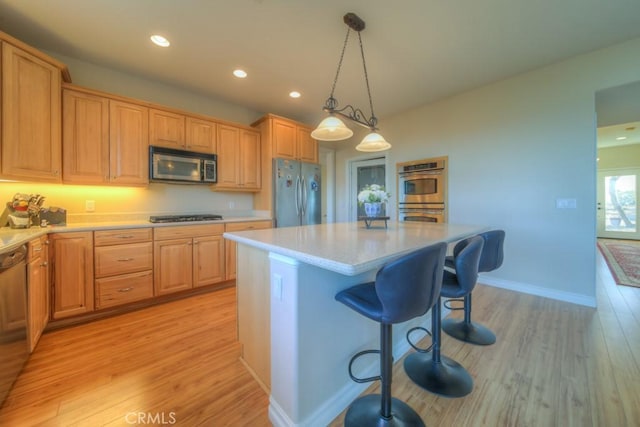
pixel 601 231
pixel 352 193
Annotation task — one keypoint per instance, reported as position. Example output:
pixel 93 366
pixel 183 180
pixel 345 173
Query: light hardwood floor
pixel 555 364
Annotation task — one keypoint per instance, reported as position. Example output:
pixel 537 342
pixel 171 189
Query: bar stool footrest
pixel 416 348
pixel 353 359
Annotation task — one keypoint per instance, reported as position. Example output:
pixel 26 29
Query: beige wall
pixel 627 156
pixel 515 147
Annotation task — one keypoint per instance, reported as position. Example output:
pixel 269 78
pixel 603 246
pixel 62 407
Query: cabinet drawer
pixel 118 237
pixel 123 289
pixel 249 225
pixel 121 259
pixel 164 233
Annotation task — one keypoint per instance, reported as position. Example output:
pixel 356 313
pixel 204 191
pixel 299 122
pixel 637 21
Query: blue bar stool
pixel 403 289
pixel 490 259
pixel 430 370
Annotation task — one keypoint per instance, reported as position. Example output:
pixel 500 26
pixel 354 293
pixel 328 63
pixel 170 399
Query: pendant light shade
pixel 373 142
pixel 331 129
pixel 334 129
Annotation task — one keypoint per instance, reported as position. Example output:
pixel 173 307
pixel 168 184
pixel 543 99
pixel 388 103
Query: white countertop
pixel 350 248
pixel 11 238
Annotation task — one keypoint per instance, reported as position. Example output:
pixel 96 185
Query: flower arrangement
pixel 373 193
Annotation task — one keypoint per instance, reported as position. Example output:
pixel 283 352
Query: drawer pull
pixel 125 259
pixel 129 289
pixel 125 236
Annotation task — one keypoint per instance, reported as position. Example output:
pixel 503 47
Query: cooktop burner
pixel 184 218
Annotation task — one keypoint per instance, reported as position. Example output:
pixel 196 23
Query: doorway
pixel 617 207
pixel 362 173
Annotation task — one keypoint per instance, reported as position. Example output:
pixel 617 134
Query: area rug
pixel 623 259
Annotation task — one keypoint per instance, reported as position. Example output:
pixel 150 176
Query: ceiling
pixel 417 51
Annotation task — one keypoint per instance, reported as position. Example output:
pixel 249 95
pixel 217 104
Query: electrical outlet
pixel 232 205
pixel 90 205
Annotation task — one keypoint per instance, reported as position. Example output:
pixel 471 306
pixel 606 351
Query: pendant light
pixel 333 128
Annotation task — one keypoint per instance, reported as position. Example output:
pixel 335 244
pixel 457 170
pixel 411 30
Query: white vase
pixel 373 209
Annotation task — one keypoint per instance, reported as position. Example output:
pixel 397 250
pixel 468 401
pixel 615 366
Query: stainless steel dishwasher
pixel 14 346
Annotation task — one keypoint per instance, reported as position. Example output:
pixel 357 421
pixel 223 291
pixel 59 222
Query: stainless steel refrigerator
pixel 296 193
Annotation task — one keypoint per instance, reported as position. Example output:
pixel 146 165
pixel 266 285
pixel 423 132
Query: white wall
pixel 515 147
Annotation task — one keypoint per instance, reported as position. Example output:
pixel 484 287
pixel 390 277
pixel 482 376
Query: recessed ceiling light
pixel 294 94
pixel 159 40
pixel 621 138
pixel 241 74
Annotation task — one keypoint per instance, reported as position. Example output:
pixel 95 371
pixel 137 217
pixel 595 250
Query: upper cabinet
pixel 128 143
pixel 182 132
pixel 105 141
pixel 238 159
pixel 31 116
pixel 85 138
pixel 289 139
pixel 281 138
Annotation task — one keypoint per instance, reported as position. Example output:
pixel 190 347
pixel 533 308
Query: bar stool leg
pixel 466 330
pixel 434 372
pixel 382 410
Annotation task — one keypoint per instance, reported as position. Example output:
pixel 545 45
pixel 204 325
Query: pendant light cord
pixel 373 120
pixel 335 81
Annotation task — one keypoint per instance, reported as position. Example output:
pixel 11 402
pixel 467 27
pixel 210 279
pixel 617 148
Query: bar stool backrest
pixel 492 252
pixel 409 286
pixel 467 261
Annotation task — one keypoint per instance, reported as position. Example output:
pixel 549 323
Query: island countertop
pixel 350 248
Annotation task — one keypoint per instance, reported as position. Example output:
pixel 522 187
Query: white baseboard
pixel 525 288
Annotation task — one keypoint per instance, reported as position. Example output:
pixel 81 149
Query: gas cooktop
pixel 184 218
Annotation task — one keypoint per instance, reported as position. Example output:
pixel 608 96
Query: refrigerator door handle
pixel 304 196
pixel 297 194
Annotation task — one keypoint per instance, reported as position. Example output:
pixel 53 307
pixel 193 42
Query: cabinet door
pixel 208 260
pixel 85 136
pixel 38 291
pixel 166 129
pixel 72 273
pixel 307 146
pixel 172 263
pixel 128 143
pixel 284 139
pixel 250 171
pixel 201 135
pixel 31 117
pixel 230 246
pixel 228 156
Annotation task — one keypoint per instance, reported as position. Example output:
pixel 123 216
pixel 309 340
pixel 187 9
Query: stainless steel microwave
pixel 186 167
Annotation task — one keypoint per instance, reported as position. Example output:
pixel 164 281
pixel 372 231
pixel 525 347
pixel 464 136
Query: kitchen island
pixel 297 340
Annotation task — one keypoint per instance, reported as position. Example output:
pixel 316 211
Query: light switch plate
pixel 566 204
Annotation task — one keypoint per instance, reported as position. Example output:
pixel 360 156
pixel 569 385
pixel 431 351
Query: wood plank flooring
pixel 555 364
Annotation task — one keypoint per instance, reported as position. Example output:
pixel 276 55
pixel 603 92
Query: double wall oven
pixel 422 188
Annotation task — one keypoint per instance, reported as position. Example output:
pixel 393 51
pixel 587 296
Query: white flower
pixel 373 193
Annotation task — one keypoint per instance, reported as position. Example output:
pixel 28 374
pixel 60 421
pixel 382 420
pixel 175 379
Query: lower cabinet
pixel 37 289
pixel 123 266
pixel 71 256
pixel 187 256
pixel 230 245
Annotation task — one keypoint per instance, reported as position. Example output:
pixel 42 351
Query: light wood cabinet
pixel 187 256
pixel 85 138
pixel 31 117
pixel 38 302
pixel 128 143
pixel 238 159
pixel 71 256
pixel 123 266
pixel 201 135
pixel 231 246
pixel 166 129
pixel 105 141
pixel 281 138
pixel 181 132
